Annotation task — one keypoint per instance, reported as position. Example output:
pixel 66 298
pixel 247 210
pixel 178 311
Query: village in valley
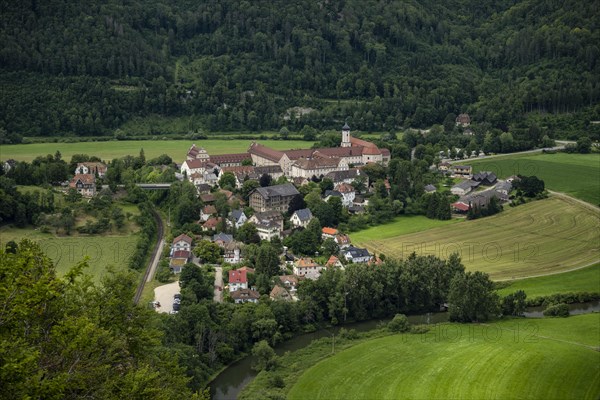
pixel 274 209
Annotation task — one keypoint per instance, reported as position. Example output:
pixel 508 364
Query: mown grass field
pixel 574 174
pixel 581 280
pixel 540 359
pixel 536 238
pixel 176 149
pixel 401 225
pixel 103 251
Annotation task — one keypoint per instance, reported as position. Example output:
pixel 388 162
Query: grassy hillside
pixel 581 280
pixel 152 148
pixel 541 237
pixel 575 174
pixel 401 225
pixel 547 358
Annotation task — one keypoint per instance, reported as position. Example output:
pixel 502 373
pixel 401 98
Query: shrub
pixel 557 310
pixel 419 329
pixel 399 324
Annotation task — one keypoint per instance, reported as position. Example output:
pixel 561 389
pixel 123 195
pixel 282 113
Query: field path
pixel 583 203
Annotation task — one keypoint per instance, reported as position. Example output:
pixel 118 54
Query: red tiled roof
pixel 183 237
pixel 230 158
pixel 181 254
pixel 238 276
pixel 306 262
pixel 211 223
pixel 344 188
pixel 210 209
pixel 195 164
pixel 265 152
pixel 239 169
pixel 329 231
pixel 86 179
pixel 332 261
pixel 362 143
pixel 371 151
pixel 460 206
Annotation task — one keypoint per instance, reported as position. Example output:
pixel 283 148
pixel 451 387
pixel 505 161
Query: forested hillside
pixel 85 68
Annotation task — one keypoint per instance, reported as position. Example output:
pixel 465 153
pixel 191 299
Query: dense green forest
pixel 83 69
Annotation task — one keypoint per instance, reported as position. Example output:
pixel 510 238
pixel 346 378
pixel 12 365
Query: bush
pixel 399 324
pixel 419 329
pixel 557 310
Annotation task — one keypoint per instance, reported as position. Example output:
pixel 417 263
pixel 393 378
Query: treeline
pixel 85 69
pixel 208 335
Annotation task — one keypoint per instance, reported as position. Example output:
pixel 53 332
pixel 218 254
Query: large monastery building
pixel 303 163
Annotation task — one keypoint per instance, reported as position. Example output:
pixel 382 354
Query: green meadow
pixel 401 225
pixel 176 149
pixel 581 280
pixel 537 238
pixel 103 252
pixel 574 174
pixel 524 359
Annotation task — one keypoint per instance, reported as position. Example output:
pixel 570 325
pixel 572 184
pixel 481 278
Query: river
pixel 229 383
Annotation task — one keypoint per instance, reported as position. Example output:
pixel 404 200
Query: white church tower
pixel 346 136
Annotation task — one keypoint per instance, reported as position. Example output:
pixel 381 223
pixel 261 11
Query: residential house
pixel 346 176
pixel 203 188
pixel 356 255
pixel 233 253
pixel 207 198
pixel 85 184
pixel 267 216
pixel 348 193
pixel 430 188
pixel 301 218
pixel 273 198
pixel 207 212
pixel 190 167
pixel 328 233
pixel 238 279
pixel 178 259
pixel 237 218
pixel 290 282
pixel 279 293
pixel 245 296
pixel 222 239
pixel 503 187
pixel 211 224
pixel 307 268
pixel 342 240
pixel 181 242
pixel 485 178
pixel 444 166
pixel 334 262
pixel 268 230
pixel 464 187
pixel 464 171
pixel 274 171
pixel 460 207
pixel 463 120
pixel 91 167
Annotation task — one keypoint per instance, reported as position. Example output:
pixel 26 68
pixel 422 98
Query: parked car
pixel 177 296
pixel 176 306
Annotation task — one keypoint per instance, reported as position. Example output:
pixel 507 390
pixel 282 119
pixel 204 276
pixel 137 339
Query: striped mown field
pixel 553 358
pixel 541 237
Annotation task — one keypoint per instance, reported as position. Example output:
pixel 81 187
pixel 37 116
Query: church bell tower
pixel 346 136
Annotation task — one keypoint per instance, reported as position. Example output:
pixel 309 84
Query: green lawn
pixel 401 225
pixel 575 174
pixel 541 359
pixel 103 251
pixel 581 280
pixel 152 148
pixel 536 238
